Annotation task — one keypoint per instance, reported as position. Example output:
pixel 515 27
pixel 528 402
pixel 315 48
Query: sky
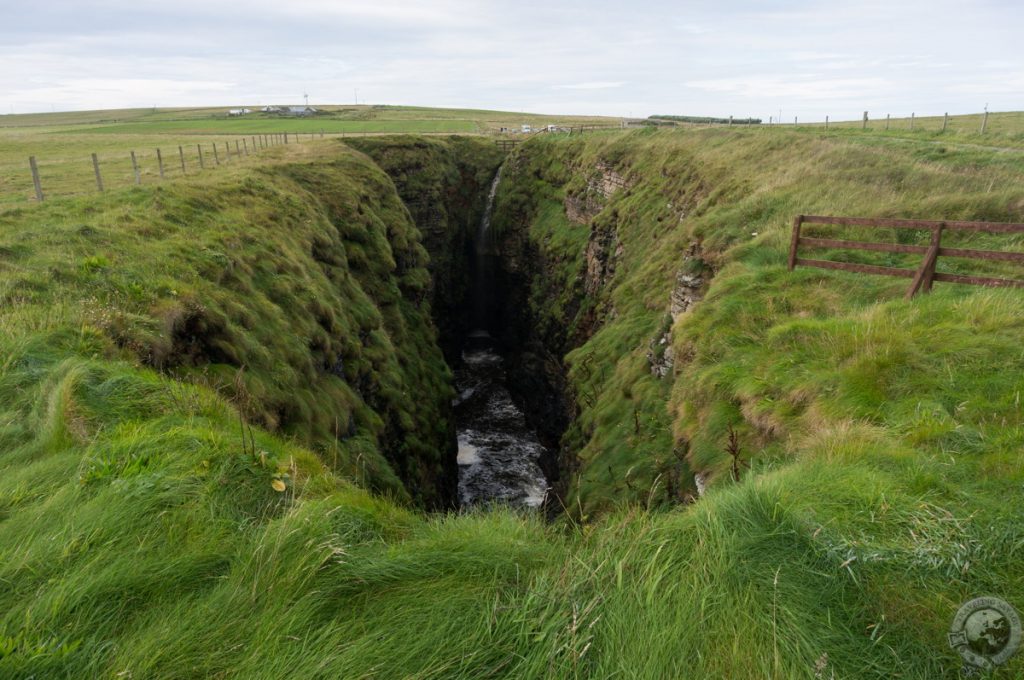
pixel 803 58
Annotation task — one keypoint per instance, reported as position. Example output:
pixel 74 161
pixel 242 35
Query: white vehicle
pixel 527 129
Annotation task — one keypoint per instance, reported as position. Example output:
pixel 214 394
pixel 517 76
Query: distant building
pixel 271 109
pixel 300 110
pixel 238 112
pixel 527 129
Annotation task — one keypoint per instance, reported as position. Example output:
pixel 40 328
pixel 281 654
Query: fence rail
pixel 925 274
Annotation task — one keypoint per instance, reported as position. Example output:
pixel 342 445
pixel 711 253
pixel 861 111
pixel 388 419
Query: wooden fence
pixel 925 274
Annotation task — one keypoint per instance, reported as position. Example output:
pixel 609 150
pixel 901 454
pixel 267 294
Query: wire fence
pixel 40 178
pixel 984 123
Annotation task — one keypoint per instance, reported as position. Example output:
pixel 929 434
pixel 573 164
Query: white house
pixel 238 112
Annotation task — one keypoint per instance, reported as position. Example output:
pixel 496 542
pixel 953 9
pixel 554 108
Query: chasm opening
pixel 499 452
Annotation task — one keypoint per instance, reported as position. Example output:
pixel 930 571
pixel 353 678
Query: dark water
pixel 498 451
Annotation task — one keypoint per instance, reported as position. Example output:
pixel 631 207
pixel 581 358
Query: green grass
pixel 63 142
pixel 257 124
pixel 144 532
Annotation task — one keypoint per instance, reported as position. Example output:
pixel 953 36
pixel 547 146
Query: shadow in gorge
pixel 499 454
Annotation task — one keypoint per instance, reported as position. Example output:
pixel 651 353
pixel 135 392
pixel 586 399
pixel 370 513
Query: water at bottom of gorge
pixel 498 452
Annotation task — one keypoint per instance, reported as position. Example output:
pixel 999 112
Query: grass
pixel 145 531
pixel 63 142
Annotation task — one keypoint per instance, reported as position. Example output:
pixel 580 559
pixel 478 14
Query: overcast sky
pixel 808 58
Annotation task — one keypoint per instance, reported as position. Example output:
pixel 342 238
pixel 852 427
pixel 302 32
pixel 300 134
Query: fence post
pixel 794 121
pixel 794 241
pixel 135 168
pixel 926 272
pixel 864 125
pixel 826 122
pixel 227 151
pixel 911 120
pixel 984 122
pixel 238 149
pixel 216 156
pixel 887 121
pixel 286 138
pixel 35 177
pixel 945 121
pixel 96 169
pixel 181 154
pixel 245 145
pixel 202 166
pixel 160 163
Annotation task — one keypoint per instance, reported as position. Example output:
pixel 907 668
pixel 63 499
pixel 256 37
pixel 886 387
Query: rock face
pixel 688 291
pixel 689 286
pixel 700 480
pixel 602 251
pixel 661 356
pixel 583 206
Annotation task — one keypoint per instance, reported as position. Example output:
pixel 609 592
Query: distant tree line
pixel 707 120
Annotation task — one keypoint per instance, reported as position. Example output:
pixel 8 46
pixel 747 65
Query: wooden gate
pixel 925 274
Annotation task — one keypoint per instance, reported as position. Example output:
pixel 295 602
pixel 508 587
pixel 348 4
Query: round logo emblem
pixel 986 632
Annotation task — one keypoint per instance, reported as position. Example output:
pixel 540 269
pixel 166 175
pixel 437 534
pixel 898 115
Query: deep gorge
pixel 481 292
pixel 229 416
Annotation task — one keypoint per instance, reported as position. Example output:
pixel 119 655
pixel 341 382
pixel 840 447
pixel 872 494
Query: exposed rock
pixel 689 286
pixel 583 206
pixel 686 293
pixel 700 480
pixel 602 251
pixel 609 181
pixel 661 356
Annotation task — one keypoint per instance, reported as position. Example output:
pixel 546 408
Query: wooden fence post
pixel 984 122
pixel 216 157
pixel 245 145
pixel 926 272
pixel 160 163
pixel 181 154
pixel 96 170
pixel 945 121
pixel 794 121
pixel 864 125
pixel 135 169
pixel 238 148
pixel 227 151
pixel 911 120
pixel 795 241
pixel 826 122
pixel 286 138
pixel 35 178
pixel 887 121
pixel 202 166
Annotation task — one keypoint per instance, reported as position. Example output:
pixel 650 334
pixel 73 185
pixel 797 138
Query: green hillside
pixel 225 428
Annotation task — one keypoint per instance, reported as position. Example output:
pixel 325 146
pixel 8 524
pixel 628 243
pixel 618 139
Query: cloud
pixel 593 85
pixel 701 57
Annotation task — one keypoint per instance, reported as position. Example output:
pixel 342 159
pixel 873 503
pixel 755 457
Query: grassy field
pixel 63 142
pixel 145 533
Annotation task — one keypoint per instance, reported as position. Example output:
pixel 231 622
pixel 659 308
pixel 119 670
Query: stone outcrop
pixel 581 207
